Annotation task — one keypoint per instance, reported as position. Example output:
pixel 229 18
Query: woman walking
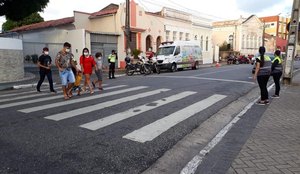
pixel 277 72
pixel 87 63
pixel 262 74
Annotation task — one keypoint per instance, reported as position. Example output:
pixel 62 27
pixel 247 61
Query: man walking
pixel 112 58
pixel 64 62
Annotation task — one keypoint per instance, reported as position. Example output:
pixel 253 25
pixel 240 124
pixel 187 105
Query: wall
pixel 11 60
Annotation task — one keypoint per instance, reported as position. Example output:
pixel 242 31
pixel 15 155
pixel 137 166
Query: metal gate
pixel 105 44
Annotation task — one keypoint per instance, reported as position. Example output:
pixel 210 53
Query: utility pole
pixel 292 43
pixel 264 31
pixel 127 26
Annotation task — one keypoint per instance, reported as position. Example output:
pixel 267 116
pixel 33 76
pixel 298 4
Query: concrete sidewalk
pixel 274 145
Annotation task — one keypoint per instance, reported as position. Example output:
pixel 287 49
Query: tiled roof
pixel 52 23
pixel 110 9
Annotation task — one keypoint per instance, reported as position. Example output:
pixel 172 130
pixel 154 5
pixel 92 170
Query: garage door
pixel 104 44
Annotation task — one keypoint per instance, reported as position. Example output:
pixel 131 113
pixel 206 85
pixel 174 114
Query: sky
pixel 216 9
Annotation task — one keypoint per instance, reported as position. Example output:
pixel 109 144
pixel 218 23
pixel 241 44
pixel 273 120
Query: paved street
pixel 131 127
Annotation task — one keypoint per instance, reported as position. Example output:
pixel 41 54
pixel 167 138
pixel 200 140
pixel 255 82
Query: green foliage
pixel 17 10
pixel 224 47
pixel 135 53
pixel 33 18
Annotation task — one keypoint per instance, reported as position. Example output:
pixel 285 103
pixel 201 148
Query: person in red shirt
pixel 87 63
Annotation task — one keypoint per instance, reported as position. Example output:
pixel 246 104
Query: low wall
pixel 11 60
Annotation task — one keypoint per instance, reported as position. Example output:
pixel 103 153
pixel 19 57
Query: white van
pixel 179 55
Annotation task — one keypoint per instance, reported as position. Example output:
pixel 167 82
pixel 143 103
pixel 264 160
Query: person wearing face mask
pixel 87 64
pixel 44 63
pixel 64 62
pixel 98 72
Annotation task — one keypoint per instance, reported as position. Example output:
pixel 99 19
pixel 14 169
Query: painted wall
pixel 11 60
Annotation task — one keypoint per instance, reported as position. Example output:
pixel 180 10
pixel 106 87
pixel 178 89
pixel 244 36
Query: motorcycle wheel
pixel 129 71
pixel 157 69
pixel 147 70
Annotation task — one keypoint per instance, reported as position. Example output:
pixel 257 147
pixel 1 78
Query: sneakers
pixel 275 96
pixel 53 91
pixel 266 102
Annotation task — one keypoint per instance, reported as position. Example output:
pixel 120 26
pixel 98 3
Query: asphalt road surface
pixel 126 128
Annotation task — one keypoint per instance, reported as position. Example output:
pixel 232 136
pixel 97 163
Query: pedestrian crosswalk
pixel 35 103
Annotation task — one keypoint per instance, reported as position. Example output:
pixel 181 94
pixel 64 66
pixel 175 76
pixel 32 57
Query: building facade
pixel 243 35
pixel 105 31
pixel 276 26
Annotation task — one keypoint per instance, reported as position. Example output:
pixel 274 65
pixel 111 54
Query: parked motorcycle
pixel 154 66
pixel 141 66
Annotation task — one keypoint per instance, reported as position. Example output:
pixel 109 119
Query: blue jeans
pixel 67 76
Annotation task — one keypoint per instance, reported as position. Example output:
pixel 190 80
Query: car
pixel 271 55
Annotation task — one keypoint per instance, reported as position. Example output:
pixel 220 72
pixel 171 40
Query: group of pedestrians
pixel 70 74
pixel 265 67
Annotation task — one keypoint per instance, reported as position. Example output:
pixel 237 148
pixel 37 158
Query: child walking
pixel 98 71
pixel 77 83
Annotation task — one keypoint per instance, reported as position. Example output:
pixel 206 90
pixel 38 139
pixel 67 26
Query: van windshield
pixel 166 50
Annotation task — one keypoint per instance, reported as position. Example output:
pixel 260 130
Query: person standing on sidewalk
pixel 98 71
pixel 262 74
pixel 277 72
pixel 87 63
pixel 44 63
pixel 112 58
pixel 64 62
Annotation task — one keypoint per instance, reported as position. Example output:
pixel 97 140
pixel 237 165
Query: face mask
pixel 99 58
pixel 86 53
pixel 67 50
pixel 46 53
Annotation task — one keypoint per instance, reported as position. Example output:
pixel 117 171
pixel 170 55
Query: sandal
pixel 92 92
pixel 66 97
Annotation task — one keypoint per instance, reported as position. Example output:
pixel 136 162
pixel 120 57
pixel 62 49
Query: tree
pixel 17 10
pixel 33 18
pixel 224 47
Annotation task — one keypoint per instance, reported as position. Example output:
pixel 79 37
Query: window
pixel 174 35
pixel 166 51
pixel 243 42
pixel 201 43
pixel 177 51
pixel 167 35
pixel 187 36
pixel 180 35
pixel 206 44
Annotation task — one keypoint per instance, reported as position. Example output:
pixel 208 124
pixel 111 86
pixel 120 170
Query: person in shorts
pixel 99 71
pixel 77 82
pixel 64 62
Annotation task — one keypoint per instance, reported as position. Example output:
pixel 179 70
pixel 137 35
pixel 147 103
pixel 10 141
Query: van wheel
pixel 196 65
pixel 173 67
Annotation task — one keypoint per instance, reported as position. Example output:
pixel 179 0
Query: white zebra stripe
pixel 151 131
pixel 103 122
pixel 78 100
pixel 40 99
pixel 96 107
